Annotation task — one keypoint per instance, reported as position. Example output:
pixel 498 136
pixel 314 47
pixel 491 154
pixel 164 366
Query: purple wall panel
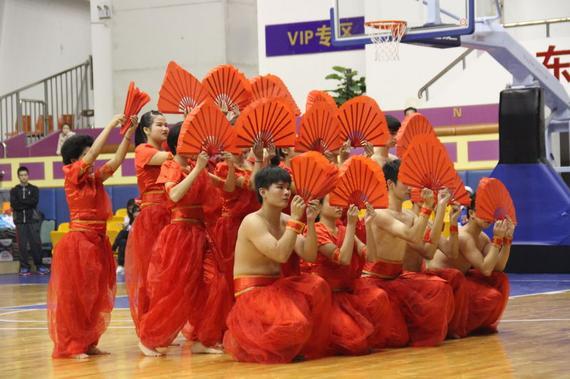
pixel 128 167
pixel 58 170
pixel 7 168
pixel 451 148
pixel 45 147
pixel 16 146
pixel 483 150
pixel 36 170
pixel 457 116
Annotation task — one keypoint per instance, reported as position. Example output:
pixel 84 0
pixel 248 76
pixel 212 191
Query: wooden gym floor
pixel 534 341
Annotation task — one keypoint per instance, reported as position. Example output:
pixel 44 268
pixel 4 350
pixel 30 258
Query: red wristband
pixel 453 229
pixel 336 256
pixel 296 226
pixel 427 235
pixel 497 241
pixel 426 211
pixel 507 241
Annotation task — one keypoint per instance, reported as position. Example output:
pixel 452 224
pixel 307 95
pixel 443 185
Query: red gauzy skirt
pixel 177 291
pixel 458 323
pixel 209 320
pixel 426 302
pixel 142 237
pixel 359 319
pixel 81 292
pixel 488 297
pixel 225 233
pixel 281 321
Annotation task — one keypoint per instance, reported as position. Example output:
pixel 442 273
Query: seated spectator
pixel 63 136
pixel 120 243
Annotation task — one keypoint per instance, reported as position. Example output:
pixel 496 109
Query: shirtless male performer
pixel 425 301
pixel 483 261
pixel 277 319
pixel 382 153
pixel 419 258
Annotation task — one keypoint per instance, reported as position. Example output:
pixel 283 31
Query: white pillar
pixel 101 49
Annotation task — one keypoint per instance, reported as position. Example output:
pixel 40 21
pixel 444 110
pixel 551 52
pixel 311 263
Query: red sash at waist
pixel 246 283
pixel 96 226
pixel 190 213
pixel 152 198
pixel 383 269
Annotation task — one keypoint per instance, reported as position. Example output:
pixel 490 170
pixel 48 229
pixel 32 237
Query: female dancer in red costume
pixel 149 137
pixel 82 286
pixel 239 200
pixel 359 310
pixel 185 275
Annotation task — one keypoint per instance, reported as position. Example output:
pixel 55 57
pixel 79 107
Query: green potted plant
pixel 349 84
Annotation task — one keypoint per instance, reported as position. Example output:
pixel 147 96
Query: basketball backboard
pixel 427 20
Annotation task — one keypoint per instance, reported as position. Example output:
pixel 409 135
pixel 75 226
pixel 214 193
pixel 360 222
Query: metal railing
pixel 44 106
pixel 425 87
pixel 461 59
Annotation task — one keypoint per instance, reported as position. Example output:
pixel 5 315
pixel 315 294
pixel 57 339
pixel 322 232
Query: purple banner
pixel 309 37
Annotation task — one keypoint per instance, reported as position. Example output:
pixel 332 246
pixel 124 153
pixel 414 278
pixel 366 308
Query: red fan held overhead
pixel 135 101
pixel 229 88
pixel 268 121
pixel 493 201
pixel 319 129
pixel 314 176
pixel 360 181
pixel 412 126
pixel 206 129
pixel 180 92
pixel 270 86
pixel 426 164
pixel 361 119
pixel 316 96
pixel 459 194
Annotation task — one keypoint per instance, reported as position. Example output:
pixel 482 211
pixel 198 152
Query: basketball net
pixel 386 37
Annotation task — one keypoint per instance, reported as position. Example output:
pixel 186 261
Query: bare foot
pixel 149 352
pixel 94 350
pixel 199 348
pixel 80 356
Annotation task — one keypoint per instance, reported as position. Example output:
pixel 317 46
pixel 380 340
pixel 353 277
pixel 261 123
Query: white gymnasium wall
pixel 301 73
pixel 39 38
pixel 197 34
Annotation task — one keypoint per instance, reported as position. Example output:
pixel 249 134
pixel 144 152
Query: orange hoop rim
pixel 393 25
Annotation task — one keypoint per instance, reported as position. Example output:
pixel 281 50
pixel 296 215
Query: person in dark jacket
pixel 24 199
pixel 120 243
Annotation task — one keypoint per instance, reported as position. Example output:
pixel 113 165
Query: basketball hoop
pixel 386 36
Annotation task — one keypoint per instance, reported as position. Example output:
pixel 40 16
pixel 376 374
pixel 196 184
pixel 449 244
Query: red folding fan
pixel 229 88
pixel 270 86
pixel 316 96
pixel 269 121
pixel 493 201
pixel 206 129
pixel 413 125
pixel 180 91
pixel 416 195
pixel 361 119
pixel 135 101
pixel 426 164
pixel 459 194
pixel 361 180
pixel 314 176
pixel 319 129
